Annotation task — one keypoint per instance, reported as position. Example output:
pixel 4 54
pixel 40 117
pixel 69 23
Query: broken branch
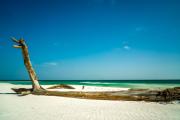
pixel 17 46
pixel 14 40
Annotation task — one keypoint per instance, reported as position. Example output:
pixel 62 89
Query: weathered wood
pixel 17 46
pixel 61 86
pixel 22 91
pixel 14 40
pixel 127 95
pixel 21 44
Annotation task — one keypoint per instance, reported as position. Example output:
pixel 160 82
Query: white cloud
pixel 126 47
pixel 50 64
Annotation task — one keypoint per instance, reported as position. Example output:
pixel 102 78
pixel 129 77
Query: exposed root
pixel 22 91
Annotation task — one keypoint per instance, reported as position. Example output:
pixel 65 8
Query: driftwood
pixel 61 86
pixel 22 91
pixel 32 74
pixel 166 95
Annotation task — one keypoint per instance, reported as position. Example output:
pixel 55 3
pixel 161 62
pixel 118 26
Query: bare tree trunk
pixel 21 44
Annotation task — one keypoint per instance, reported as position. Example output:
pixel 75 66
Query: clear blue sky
pixel 92 39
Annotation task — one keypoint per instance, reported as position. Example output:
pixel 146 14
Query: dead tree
pixel 22 45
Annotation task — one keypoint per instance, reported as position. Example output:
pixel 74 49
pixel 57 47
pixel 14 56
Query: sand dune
pixel 31 107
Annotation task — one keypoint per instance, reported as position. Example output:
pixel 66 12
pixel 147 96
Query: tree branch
pixel 14 40
pixel 17 46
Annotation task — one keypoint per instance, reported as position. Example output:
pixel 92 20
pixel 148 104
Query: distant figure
pixel 83 87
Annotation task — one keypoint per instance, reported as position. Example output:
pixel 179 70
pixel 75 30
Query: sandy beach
pixel 32 107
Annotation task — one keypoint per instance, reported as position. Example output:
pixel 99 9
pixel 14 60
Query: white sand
pixel 31 107
pixel 90 88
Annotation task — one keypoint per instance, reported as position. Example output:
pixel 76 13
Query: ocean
pixel 106 83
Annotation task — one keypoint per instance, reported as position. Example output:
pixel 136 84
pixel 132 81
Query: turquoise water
pixel 108 83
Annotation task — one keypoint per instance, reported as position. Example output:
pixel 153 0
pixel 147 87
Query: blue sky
pixel 92 39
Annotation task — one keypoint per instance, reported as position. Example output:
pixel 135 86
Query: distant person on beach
pixel 83 87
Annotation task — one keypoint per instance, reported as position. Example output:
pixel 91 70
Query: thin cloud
pixel 126 47
pixel 50 64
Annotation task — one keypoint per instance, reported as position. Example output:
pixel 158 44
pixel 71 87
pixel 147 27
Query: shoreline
pixel 133 84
